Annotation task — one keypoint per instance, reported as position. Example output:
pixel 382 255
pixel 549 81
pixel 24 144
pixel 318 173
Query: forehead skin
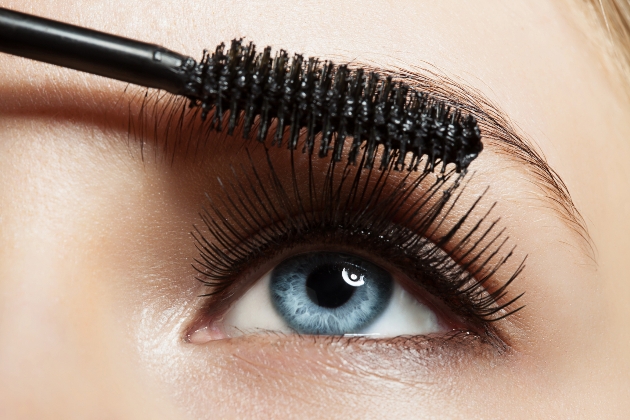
pixel 67 349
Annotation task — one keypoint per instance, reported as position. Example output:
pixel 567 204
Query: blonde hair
pixel 614 17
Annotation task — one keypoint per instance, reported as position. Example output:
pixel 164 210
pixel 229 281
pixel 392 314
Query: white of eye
pixel 404 315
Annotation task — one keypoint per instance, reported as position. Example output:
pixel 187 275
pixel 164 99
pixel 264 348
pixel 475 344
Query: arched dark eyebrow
pixel 501 135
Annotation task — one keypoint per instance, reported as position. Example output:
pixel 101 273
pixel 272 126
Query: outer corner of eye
pixel 325 293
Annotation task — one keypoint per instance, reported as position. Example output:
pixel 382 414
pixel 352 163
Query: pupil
pixel 326 287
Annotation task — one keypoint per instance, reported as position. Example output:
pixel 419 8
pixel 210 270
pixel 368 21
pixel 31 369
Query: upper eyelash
pixel 259 219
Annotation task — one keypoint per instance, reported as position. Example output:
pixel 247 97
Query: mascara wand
pixel 302 97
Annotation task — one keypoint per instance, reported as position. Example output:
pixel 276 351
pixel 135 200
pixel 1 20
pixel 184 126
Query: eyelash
pixel 257 220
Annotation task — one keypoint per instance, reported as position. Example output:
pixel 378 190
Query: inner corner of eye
pixel 324 293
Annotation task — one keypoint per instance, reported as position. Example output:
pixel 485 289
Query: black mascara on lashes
pixel 333 102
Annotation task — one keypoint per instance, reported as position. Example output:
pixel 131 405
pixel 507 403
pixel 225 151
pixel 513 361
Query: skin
pixel 96 285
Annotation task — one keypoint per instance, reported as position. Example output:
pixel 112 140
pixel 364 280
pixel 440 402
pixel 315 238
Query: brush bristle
pixel 319 98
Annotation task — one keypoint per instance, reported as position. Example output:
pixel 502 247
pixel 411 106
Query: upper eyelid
pixel 110 113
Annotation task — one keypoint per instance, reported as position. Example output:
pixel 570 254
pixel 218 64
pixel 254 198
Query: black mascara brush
pixel 302 96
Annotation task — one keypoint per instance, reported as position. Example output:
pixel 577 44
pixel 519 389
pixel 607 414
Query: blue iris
pixel 329 293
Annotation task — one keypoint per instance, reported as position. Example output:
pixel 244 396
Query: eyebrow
pixel 497 130
pixel 495 125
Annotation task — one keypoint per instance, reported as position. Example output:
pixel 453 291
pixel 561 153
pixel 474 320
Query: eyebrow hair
pixel 501 135
pixel 498 132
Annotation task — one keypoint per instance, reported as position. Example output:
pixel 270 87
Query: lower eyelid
pixel 406 357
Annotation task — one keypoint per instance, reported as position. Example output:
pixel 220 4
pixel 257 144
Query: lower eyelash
pixel 256 218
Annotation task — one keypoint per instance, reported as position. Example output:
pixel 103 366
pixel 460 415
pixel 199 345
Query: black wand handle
pixel 93 52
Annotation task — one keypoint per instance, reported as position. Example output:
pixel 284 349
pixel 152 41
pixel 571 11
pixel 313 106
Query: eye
pixel 329 293
pixel 396 254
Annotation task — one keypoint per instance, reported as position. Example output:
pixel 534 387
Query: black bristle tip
pixel 387 116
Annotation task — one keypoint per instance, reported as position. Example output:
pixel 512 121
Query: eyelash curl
pixel 259 215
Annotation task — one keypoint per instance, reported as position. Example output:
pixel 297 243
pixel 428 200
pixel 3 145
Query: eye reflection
pixel 329 293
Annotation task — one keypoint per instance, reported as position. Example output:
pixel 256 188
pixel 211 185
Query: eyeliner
pixel 301 98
